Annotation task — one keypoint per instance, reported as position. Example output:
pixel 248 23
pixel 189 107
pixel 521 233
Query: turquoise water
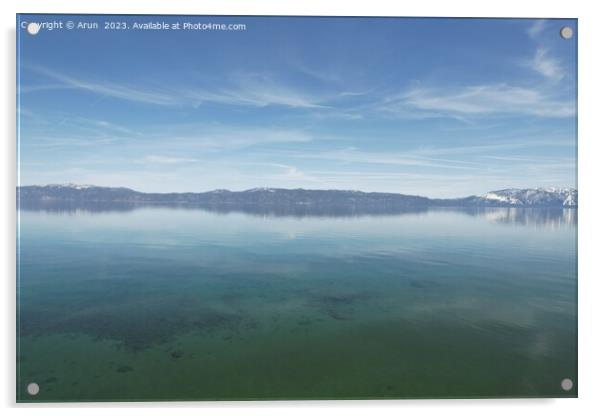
pixel 187 304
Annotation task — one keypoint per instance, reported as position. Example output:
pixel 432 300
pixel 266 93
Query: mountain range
pixel 299 198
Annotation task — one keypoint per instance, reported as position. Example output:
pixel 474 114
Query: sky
pixel 433 107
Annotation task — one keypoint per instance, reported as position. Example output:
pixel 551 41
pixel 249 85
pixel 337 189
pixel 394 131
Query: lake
pixel 164 303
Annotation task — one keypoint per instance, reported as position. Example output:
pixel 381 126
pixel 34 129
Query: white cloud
pixel 227 138
pixel 152 138
pixel 547 66
pixel 125 92
pixel 52 142
pixel 250 90
pixel 291 174
pixel 536 28
pixel 409 159
pixel 168 160
pixel 456 160
pixel 477 100
pixel 495 146
pixel 262 91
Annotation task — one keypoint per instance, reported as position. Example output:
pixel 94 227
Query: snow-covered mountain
pixel 71 186
pixel 565 197
pixel 356 200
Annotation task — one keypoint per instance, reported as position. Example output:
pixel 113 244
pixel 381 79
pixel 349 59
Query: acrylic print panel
pixel 267 208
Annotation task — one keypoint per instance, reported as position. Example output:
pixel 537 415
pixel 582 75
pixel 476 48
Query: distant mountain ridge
pixel 74 193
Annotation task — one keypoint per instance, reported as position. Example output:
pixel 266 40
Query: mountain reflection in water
pixel 540 217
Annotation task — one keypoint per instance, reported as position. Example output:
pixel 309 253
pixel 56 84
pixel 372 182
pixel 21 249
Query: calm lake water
pixel 186 304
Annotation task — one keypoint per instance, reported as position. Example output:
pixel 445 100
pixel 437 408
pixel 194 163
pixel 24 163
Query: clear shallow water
pixel 186 304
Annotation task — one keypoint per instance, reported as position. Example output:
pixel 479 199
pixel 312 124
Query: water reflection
pixel 544 217
pixel 271 210
pixel 539 217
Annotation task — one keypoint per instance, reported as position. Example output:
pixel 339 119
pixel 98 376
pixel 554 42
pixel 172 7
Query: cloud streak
pixel 453 159
pixel 168 160
pixel 121 91
pixel 407 159
pixel 477 101
pixel 251 91
pixel 421 102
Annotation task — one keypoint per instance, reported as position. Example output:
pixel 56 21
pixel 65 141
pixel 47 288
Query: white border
pixel 590 201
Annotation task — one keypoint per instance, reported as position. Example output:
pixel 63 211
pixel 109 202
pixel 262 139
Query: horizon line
pixel 83 186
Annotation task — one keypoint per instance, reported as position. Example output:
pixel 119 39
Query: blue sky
pixel 436 107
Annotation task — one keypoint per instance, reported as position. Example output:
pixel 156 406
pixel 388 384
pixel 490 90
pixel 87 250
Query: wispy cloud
pixel 537 163
pixel 546 65
pixel 152 139
pixel 496 146
pixel 477 100
pixel 292 173
pixel 254 96
pixel 261 91
pixel 251 90
pixel 463 158
pixel 121 91
pixel 98 128
pixel 226 138
pixel 66 131
pixel 408 159
pixel 51 142
pixel 113 127
pixel 536 28
pixel 168 160
pixel 43 87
